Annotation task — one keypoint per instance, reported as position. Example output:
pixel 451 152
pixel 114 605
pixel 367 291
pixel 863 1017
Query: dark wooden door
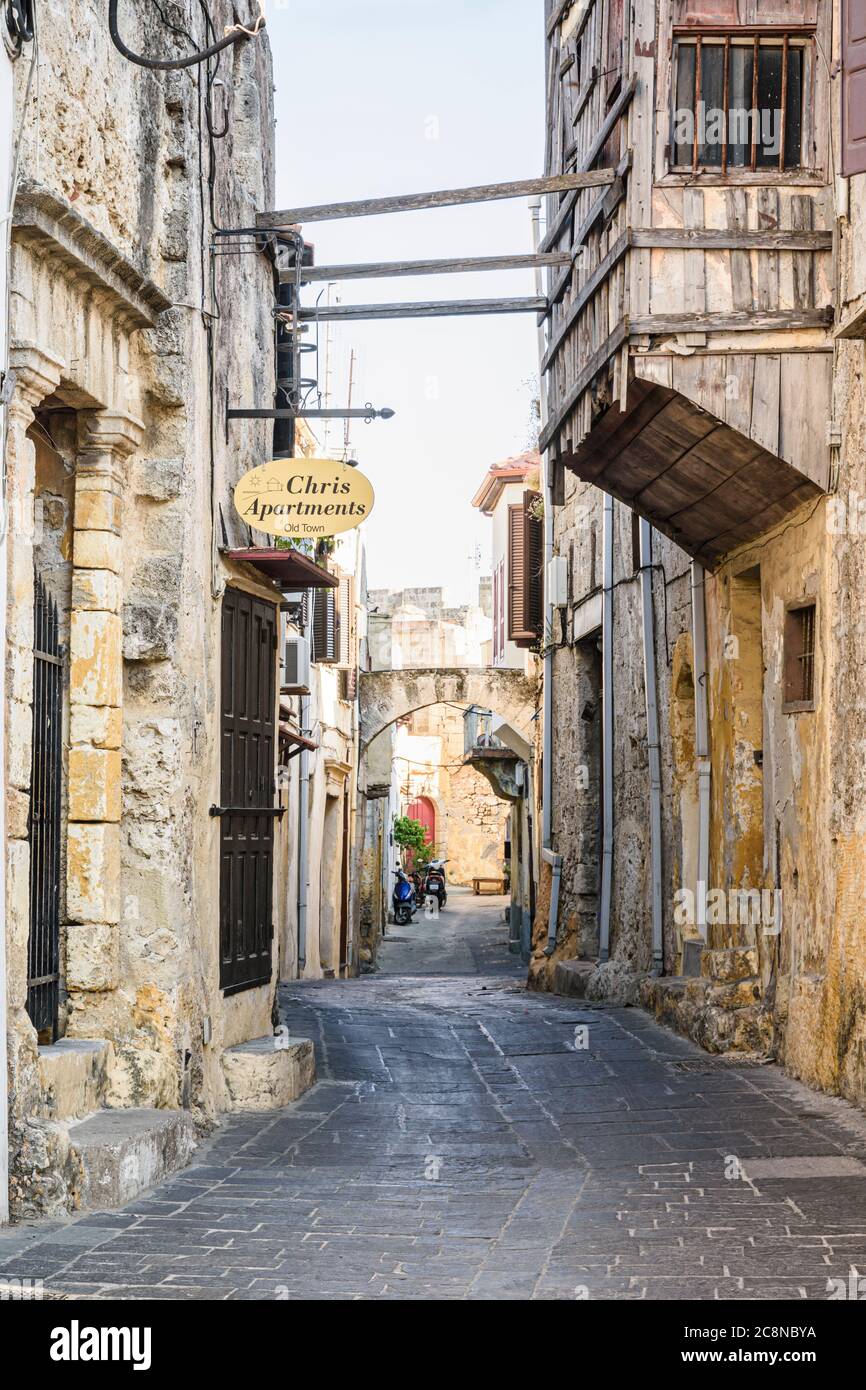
pixel 246 810
pixel 43 948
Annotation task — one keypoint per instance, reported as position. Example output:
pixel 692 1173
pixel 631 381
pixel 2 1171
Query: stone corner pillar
pixel 36 375
pixel 106 441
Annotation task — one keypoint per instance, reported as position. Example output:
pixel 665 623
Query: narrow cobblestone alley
pixel 459 1145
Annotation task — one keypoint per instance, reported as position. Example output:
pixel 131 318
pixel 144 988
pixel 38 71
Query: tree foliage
pixel 411 836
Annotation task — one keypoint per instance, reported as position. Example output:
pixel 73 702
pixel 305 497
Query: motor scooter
pixel 434 882
pixel 403 899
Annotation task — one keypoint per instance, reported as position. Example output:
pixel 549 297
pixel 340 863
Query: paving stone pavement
pixel 463 1143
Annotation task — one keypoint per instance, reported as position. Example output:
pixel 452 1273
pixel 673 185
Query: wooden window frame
pixel 789 657
pixel 810 170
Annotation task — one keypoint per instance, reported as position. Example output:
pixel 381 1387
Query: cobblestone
pixel 458 1146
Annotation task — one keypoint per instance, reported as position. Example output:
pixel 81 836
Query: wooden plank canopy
pixel 698 480
pixel 413 202
pixel 372 270
pixel 442 308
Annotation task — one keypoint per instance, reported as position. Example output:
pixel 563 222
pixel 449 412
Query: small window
pixel 800 657
pixel 738 102
pixel 635 543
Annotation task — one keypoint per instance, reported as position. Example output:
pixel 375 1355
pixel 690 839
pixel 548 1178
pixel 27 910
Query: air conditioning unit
pixel 295 675
pixel 557 581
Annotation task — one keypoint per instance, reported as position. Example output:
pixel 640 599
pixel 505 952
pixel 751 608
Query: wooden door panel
pixel 248 741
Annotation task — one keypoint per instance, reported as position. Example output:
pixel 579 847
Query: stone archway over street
pixel 386 696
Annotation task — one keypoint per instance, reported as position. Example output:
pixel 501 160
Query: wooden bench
pixel 498 885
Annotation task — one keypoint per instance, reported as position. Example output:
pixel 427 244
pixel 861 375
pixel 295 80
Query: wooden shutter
pixel 525 582
pixel 853 86
pixel 346 626
pixel 516 565
pixel 324 625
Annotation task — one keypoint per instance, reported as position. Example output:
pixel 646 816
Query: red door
pixel 423 810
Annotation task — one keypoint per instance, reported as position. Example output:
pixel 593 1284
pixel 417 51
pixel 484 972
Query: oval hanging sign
pixel 304 497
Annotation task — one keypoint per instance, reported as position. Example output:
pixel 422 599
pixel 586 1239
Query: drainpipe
pixel 304 809
pixel 702 742
pixel 653 742
pixel 606 731
pixel 547 851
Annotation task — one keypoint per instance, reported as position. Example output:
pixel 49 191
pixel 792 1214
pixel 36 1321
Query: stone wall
pixel 788 791
pixel 127 334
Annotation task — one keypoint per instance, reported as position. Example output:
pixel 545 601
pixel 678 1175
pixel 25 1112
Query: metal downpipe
pixel 607 732
pixel 304 811
pixel 653 742
pixel 547 853
pixel 702 742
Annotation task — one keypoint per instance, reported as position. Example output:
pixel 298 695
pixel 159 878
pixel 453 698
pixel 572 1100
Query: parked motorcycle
pixel 403 899
pixel 434 881
pixel 419 880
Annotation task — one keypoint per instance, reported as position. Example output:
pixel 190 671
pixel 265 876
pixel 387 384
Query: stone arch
pixel 386 696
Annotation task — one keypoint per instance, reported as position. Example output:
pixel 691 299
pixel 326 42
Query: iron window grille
pixel 799 670
pixel 739 101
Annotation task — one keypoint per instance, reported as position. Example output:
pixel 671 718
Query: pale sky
pixel 403 96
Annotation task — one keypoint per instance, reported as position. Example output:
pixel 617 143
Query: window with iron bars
pixel 799 648
pixel 739 101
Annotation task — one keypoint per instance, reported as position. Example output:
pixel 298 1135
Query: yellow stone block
pixel 97 550
pixel 17 923
pixel 19 672
pixel 19 741
pixel 17 814
pixel 93 873
pixel 96 659
pixel 99 725
pixel 96 591
pixel 94 784
pixel 92 956
pixel 97 511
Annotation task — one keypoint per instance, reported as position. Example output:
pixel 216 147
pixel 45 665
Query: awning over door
pixel 288 568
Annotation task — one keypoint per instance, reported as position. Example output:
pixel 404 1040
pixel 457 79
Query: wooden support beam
pixel 736 321
pixel 585 293
pixel 593 366
pixel 413 202
pixel 375 270
pixel 729 239
pixel 621 105
pixel 602 207
pixel 440 308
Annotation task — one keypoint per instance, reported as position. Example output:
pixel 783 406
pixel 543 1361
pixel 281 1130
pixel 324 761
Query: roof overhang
pixel 694 477
pixel 287 568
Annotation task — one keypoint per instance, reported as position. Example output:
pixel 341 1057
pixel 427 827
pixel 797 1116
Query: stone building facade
pixel 132 324
pixel 705 462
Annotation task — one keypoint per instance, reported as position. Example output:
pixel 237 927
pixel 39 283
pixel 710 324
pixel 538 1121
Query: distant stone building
pixel 419 767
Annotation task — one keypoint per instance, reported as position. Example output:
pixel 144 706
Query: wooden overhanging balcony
pixel 710 422
pixel 689 357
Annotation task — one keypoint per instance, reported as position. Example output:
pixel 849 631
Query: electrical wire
pixel 6 225
pixel 234 34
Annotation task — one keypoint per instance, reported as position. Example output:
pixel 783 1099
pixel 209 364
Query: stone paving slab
pixel 459 1147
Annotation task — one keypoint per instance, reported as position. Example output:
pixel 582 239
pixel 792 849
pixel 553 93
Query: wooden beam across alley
pixel 437 308
pixel 413 202
pixel 374 270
